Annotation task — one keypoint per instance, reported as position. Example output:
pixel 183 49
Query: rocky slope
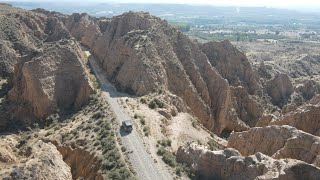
pixel 52 79
pixel 229 164
pixel 43 162
pixel 84 28
pixel 232 65
pixel 279 89
pixel 45 65
pixel 278 142
pixel 81 146
pixel 143 54
pixel 305 117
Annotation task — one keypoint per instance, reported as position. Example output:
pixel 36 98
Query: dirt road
pixel 142 162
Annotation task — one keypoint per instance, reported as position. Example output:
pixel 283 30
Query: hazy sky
pixel 314 4
pixel 280 3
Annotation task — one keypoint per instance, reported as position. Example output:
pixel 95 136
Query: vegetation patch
pixel 213 145
pixel 167 157
pixel 146 130
pixel 156 103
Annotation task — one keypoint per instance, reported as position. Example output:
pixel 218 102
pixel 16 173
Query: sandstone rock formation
pixel 279 89
pixel 142 53
pixel 52 79
pixel 45 162
pixel 229 164
pixel 7 59
pixel 46 67
pixel 305 117
pixel 247 107
pixel 22 32
pixel 55 30
pixel 307 65
pixel 278 142
pixel 6 153
pixel 265 120
pixel 84 28
pixel 307 89
pixel 82 163
pixel 231 64
pixel 15 39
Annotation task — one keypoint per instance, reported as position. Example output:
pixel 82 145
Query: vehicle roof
pixel 127 123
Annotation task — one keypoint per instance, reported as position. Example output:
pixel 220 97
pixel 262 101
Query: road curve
pixel 142 162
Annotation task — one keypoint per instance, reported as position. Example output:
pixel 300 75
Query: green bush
pixel 169 159
pixel 213 145
pixel 142 121
pixel 161 151
pixel 96 143
pixel 156 103
pixel 168 142
pixel 152 105
pixel 120 174
pixel 97 115
pixel 146 131
pixel 179 170
pixel 144 101
pixel 165 142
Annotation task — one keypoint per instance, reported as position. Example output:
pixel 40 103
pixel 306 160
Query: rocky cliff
pixel 142 54
pixel 84 28
pixel 279 89
pixel 232 65
pixel 43 162
pixel 229 164
pixel 278 142
pixel 45 65
pixel 145 56
pixel 305 117
pixel 51 79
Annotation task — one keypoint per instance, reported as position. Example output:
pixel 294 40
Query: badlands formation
pixel 269 124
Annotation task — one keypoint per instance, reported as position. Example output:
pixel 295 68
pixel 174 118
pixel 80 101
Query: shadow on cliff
pixel 6 109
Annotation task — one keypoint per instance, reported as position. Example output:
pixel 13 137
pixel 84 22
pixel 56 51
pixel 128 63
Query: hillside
pixel 199 110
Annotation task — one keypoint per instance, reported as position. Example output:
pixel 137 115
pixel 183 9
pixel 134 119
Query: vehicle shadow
pixel 123 132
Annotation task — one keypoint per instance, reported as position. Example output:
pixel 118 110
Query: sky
pixel 279 3
pixel 287 4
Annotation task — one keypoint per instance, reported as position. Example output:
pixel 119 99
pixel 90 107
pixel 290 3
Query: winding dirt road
pixel 142 162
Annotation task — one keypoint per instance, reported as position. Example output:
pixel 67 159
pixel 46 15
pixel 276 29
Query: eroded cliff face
pixel 232 65
pixel 305 117
pixel 279 89
pixel 278 142
pixel 44 63
pixel 52 79
pixel 81 162
pixel 43 161
pixel 143 54
pixel 84 28
pixel 248 107
pixel 15 38
pixel 229 164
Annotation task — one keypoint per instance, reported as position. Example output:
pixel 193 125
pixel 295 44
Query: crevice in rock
pixel 83 164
